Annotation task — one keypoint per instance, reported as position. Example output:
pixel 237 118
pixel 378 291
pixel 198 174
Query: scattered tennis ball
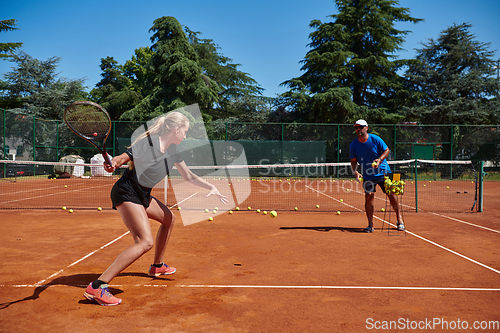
pixel 447 187
pixel 273 213
pixel 216 208
pixel 71 210
pixel 258 210
pixel 249 208
pixel 214 211
pixel 237 208
pixel 296 208
pixel 264 212
pixel 317 206
pixel 424 185
pixel 341 200
pixel 230 212
pixel 338 212
pixel 347 190
pixel 374 164
pixel 178 208
pixel 206 210
pixel 382 210
pixel 210 218
pixel 64 208
pixel 65 185
pixel 99 208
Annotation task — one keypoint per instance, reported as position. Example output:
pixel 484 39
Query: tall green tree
pixel 352 66
pixel 454 80
pixel 7 48
pixel 136 69
pixel 37 90
pixel 115 92
pixel 176 77
pixel 235 86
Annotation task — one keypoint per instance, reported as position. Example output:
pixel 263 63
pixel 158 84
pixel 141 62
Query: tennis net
pixel 322 187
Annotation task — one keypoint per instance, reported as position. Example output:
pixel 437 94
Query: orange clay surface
pixel 248 272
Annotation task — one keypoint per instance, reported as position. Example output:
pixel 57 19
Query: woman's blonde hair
pixel 161 126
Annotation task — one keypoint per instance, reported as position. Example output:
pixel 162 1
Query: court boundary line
pixel 427 240
pixel 39 283
pixel 464 222
pixel 261 287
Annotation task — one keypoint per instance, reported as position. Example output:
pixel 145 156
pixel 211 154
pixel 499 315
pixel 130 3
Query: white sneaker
pixel 401 226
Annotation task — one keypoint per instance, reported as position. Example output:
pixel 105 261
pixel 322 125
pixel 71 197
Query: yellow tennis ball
pixel 210 218
pixel 374 164
pixel 71 211
pixel 216 208
pixel 338 212
pixel 249 208
pixel 347 190
pixel 296 208
pixel 206 210
pixel 230 212
pixel 341 200
pixel 64 208
pixel 214 211
pixel 382 210
pixel 273 213
pixel 264 212
pixel 258 210
pixel 65 185
pixel 178 208
pixel 99 208
pixel 317 206
pixel 237 208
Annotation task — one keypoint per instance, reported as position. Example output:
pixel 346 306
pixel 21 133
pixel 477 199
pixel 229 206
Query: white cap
pixel 361 122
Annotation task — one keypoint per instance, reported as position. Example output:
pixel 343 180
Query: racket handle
pixel 107 159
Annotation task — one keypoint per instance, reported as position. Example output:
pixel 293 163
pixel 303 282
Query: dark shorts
pixel 125 190
pixel 370 186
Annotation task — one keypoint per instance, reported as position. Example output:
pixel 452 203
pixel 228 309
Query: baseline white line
pixel 39 283
pixel 428 241
pixel 264 287
pixel 472 224
pixel 48 195
pixel 335 287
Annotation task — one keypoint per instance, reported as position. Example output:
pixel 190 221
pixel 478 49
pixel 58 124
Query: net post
pixel 416 185
pixel 480 184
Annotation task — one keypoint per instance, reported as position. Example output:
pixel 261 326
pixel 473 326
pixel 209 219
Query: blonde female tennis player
pixel 150 158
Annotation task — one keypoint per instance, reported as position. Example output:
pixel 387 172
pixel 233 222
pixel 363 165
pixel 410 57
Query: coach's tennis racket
pixel 91 122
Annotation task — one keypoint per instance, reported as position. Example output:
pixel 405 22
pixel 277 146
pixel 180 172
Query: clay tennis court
pixel 248 272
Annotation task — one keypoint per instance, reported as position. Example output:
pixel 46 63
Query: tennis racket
pixel 91 122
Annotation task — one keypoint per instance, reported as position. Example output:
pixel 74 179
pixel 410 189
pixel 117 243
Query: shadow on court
pixel 78 281
pixel 325 229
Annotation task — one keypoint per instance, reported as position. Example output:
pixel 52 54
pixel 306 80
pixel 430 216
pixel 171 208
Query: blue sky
pixel 268 38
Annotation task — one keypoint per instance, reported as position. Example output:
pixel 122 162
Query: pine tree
pixel 176 78
pixel 454 80
pixel 350 67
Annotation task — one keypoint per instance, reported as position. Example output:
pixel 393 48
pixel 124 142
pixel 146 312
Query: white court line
pixel 263 287
pixel 335 287
pixel 39 283
pixel 48 195
pixel 427 240
pixel 192 195
pixel 472 224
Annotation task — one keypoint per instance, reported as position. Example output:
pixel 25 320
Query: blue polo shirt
pixel 368 151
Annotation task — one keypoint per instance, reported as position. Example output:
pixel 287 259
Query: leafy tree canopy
pixel 350 66
pixel 34 85
pixel 454 80
pixel 7 48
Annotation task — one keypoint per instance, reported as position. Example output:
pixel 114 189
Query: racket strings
pixel 90 122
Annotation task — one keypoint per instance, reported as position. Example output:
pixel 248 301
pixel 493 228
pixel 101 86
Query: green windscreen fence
pixel 25 137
